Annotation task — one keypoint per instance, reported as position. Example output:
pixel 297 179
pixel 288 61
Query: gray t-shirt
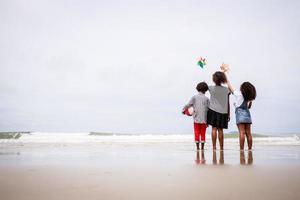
pixel 218 99
pixel 200 104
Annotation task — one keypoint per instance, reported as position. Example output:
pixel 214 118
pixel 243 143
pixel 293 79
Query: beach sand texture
pixel 180 182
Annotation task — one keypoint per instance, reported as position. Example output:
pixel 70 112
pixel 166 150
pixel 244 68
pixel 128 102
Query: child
pixel 218 112
pixel 242 104
pixel 200 104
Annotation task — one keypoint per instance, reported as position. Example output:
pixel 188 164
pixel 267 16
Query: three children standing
pixel 216 110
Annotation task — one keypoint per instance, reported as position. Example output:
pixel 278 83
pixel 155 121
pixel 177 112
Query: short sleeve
pixel 191 102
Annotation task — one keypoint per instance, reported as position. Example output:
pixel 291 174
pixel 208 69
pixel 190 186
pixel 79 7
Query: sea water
pixel 42 148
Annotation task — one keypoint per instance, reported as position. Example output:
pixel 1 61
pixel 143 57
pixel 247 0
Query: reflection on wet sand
pixel 218 157
pixel 200 158
pixel 243 159
pixel 221 158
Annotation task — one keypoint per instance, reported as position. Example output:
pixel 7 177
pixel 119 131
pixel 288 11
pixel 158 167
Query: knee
pixel 248 134
pixel 242 132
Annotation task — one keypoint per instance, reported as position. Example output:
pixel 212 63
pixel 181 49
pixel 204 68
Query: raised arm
pixel 228 112
pixel 230 87
pixel 224 68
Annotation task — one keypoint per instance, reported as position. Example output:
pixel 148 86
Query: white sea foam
pixel 81 138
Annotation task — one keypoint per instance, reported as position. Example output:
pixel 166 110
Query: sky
pixel 130 66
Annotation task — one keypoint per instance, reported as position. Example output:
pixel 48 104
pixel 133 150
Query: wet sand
pixel 146 173
pixel 150 182
pixel 134 168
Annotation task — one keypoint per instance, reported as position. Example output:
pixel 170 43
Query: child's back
pixel 219 99
pixel 200 104
pixel 218 112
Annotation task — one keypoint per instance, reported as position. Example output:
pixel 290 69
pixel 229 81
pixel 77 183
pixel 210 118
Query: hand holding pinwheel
pixel 202 62
pixel 224 67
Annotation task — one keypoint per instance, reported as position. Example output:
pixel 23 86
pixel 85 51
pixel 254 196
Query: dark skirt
pixel 218 120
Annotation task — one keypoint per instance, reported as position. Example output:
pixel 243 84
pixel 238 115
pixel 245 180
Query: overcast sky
pixel 129 66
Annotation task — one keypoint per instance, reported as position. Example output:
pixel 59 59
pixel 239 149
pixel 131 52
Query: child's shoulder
pixel 217 87
pixel 199 95
pixel 225 88
pixel 206 98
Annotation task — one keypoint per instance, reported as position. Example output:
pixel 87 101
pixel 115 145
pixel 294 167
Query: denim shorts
pixel 243 116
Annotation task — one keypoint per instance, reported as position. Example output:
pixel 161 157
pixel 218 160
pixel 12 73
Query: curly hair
pixel 248 91
pixel 219 78
pixel 202 87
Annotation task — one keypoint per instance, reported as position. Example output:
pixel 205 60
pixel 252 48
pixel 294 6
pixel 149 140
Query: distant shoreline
pixel 18 134
pixel 12 135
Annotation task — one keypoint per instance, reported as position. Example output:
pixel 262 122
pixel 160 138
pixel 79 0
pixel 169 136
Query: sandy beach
pixel 129 169
pixel 110 100
pixel 180 182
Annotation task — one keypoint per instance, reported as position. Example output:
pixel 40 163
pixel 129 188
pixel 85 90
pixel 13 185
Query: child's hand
pixel 224 67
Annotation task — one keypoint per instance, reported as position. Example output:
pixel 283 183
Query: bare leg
pixel 197 145
pixel 221 138
pixel 202 146
pixel 249 135
pixel 214 137
pixel 241 128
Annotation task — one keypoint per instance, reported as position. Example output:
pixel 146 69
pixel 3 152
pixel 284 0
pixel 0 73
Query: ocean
pixel 110 138
pixel 42 148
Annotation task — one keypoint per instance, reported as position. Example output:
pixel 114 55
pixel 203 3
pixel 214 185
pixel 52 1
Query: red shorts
pixel 199 131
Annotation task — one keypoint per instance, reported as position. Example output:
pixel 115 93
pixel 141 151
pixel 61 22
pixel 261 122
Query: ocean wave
pixel 80 138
